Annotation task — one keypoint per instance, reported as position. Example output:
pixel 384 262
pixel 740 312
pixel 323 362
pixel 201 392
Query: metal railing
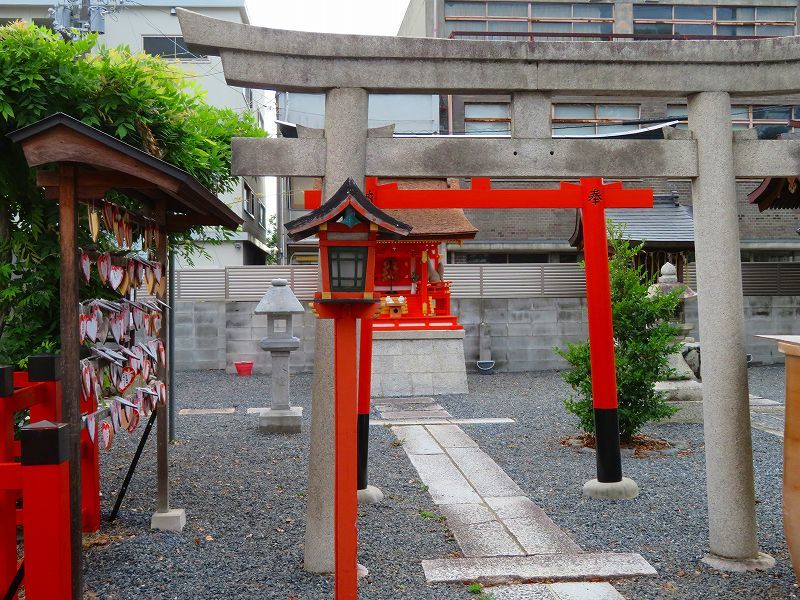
pixel 522 280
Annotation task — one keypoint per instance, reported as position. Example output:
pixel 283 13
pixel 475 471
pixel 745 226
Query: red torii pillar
pixel 592 197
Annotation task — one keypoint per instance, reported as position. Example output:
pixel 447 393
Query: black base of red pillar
pixel 606 431
pixel 363 450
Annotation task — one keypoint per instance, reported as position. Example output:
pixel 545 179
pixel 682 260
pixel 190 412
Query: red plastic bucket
pixel 244 368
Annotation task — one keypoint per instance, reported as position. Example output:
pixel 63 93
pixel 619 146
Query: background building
pixel 151 26
pixel 508 236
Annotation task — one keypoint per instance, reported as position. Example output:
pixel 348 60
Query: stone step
pixel 415 414
pixel 416 440
pixel 555 591
pixel 446 484
pixel 483 473
pixel 451 436
pixel 527 569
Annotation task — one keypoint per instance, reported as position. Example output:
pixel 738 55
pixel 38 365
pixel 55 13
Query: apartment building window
pixel 592 119
pixel 262 216
pixel 654 19
pixel 746 116
pixel 487 119
pixel 248 199
pixel 170 47
pixel 526 17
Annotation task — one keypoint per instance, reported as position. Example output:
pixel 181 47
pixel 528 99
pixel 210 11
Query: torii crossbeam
pixel 592 197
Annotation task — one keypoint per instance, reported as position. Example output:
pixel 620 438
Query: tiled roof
pixel 444 224
pixel 666 224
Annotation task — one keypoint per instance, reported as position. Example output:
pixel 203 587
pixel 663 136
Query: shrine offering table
pixel 789 345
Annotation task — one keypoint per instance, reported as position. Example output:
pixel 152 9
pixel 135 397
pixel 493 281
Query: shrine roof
pixel 349 194
pixel 442 224
pixel 777 192
pixel 104 162
pixel 667 224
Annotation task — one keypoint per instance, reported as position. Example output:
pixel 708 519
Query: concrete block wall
pixel 524 331
pixel 418 363
pixel 199 335
pixel 764 315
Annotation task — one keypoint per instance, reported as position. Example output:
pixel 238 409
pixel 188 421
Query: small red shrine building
pixel 409 273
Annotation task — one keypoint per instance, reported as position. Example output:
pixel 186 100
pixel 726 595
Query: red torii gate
pixel 592 197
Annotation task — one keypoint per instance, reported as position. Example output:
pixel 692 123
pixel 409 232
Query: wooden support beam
pixel 70 357
pixel 90 178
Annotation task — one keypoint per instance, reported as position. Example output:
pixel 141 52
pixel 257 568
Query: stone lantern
pixel 279 304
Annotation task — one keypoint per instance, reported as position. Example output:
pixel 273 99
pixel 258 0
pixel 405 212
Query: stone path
pixel 767 415
pixel 504 537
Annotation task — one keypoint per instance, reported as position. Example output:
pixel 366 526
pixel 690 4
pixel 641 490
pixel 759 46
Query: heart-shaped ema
pixel 106 435
pixel 86 267
pixel 91 326
pixel 158 270
pixel 116 325
pixel 134 420
pixel 104 266
pixel 126 377
pixel 116 276
pixel 91 427
pixel 86 381
pixel 82 325
pixel 138 318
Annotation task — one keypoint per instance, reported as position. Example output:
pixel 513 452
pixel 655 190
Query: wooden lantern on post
pixel 348 226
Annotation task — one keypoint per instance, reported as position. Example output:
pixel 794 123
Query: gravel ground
pixel 667 523
pixel 244 495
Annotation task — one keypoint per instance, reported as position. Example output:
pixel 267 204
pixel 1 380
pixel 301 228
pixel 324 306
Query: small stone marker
pixel 279 304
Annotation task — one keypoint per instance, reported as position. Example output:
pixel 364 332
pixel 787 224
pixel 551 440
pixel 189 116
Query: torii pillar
pixel 346 136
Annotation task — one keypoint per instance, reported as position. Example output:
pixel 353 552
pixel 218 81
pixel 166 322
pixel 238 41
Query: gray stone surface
pixel 556 567
pixel 445 482
pixel 555 591
pixel 300 61
pixel 761 562
pixel 346 112
pixel 289 420
pixel 451 436
pixel 416 440
pixel 485 539
pixel 726 414
pixel 173 520
pixel 370 495
pixel 419 363
pixel 618 490
pixel 483 473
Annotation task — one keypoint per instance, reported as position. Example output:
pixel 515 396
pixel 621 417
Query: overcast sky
pixel 379 17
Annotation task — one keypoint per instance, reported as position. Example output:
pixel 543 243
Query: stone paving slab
pixel 539 536
pixel 441 421
pixel 416 440
pixel 525 569
pixel 381 408
pixel 415 414
pixel 485 539
pixel 483 473
pixel 555 591
pixel 467 514
pixel 206 411
pixel 446 484
pixel 412 400
pixel 451 436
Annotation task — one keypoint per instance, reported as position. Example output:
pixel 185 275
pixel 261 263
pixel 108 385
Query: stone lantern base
pixel 289 420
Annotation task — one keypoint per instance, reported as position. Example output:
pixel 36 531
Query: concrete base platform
pixel 281 421
pixel 370 495
pixel 171 520
pixel 543 567
pixel 418 363
pixel 619 490
pixel 761 563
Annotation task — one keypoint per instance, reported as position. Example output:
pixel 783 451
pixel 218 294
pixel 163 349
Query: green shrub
pixel 643 339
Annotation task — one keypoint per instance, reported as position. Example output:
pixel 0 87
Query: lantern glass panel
pixel 348 267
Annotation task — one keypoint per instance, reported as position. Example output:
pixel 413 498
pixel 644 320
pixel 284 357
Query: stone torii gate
pixel 347 68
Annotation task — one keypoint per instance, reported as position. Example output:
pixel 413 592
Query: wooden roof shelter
pixel 88 163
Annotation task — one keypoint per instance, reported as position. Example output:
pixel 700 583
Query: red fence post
pixel 8 498
pixel 46 511
pixel 364 393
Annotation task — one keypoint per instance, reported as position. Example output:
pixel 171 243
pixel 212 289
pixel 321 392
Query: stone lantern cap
pixel 279 299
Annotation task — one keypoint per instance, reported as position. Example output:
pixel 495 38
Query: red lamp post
pixel 347 226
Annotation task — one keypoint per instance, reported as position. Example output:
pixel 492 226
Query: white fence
pixel 468 281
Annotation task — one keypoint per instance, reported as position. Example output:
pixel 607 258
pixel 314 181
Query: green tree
pixel 141 99
pixel 643 339
pixel 272 239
